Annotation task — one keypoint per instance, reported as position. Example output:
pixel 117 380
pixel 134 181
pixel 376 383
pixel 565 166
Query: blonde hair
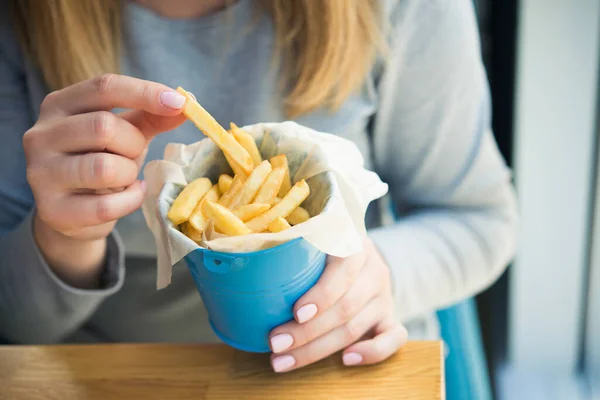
pixel 327 46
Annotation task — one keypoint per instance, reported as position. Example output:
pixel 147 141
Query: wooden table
pixel 174 371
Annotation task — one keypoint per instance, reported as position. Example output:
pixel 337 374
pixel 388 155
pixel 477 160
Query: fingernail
pixel 144 186
pixel 352 359
pixel 281 342
pixel 306 313
pixel 172 99
pixel 283 363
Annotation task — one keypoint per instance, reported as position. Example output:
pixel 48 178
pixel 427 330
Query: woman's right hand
pixel 83 162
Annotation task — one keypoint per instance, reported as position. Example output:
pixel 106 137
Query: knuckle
pixel 49 101
pixel 103 169
pixel 348 274
pixel 30 139
pixel 352 332
pixel 47 213
pixel 347 309
pixel 147 93
pixel 103 83
pixel 307 333
pixel 104 127
pixel 104 211
pixel 328 296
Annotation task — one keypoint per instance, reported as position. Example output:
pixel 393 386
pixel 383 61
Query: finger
pixel 139 161
pixel 293 334
pixel 93 171
pixel 151 124
pixel 114 91
pixel 100 131
pixel 91 232
pixel 338 276
pixel 83 210
pixel 390 336
pixel 334 340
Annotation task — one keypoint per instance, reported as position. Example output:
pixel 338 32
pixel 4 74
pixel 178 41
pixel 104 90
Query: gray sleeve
pixel 435 148
pixel 35 306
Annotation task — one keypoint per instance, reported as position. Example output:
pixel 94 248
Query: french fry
pixel 279 224
pixel 211 128
pixel 281 161
pixel 247 142
pixel 237 170
pixel 298 216
pixel 198 220
pixel 224 182
pixel 249 211
pixel 271 186
pixel 225 221
pixel 237 184
pixel 184 204
pixel 293 199
pixel 253 183
pixel 188 230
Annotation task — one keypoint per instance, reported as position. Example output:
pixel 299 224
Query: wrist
pixel 77 262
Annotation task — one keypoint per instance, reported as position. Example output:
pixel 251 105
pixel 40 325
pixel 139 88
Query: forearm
pixel 439 257
pixel 36 306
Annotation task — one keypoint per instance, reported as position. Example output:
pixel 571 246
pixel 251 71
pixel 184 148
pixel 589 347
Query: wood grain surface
pixel 175 371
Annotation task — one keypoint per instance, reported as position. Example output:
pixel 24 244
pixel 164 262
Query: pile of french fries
pixel 259 197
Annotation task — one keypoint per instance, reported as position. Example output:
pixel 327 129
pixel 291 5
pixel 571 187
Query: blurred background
pixel 540 322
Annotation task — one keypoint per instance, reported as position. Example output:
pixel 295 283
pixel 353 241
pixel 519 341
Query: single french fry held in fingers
pixel 198 220
pixel 282 161
pixel 254 182
pixel 249 211
pixel 188 230
pixel 279 224
pixel 184 204
pixel 270 187
pixel 289 203
pixel 224 182
pixel 211 128
pixel 298 216
pixel 235 189
pixel 247 142
pixel 225 221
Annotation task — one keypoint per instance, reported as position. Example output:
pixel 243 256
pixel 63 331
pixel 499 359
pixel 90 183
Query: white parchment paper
pixel 341 190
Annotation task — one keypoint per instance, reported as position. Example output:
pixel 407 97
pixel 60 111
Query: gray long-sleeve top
pixel 422 120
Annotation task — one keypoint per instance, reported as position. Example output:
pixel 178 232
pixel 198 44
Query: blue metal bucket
pixel 248 294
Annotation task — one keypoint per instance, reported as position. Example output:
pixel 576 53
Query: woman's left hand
pixel 351 307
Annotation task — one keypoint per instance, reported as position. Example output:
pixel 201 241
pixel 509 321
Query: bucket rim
pixel 250 253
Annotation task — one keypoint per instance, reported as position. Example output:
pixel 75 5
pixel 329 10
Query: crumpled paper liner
pixel 333 167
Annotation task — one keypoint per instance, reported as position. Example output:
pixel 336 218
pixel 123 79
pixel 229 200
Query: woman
pixel 403 79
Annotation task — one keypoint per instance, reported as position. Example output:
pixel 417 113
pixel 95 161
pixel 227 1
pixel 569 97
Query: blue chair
pixel 466 368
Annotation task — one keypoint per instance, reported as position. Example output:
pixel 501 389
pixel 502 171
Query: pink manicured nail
pixel 281 342
pixel 352 359
pixel 172 99
pixel 283 363
pixel 306 313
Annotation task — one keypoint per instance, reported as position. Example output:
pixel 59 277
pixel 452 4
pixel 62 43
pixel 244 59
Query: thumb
pixel 151 124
